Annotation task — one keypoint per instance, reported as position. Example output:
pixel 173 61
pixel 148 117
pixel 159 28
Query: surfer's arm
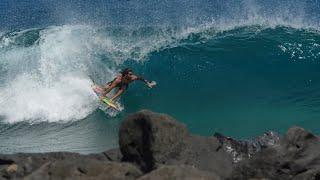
pixel 110 85
pixel 148 83
pixel 141 79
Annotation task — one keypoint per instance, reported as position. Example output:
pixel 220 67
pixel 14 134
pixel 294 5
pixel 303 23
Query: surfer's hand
pixel 151 84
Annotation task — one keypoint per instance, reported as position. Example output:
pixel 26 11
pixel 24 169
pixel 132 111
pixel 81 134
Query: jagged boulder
pixel 207 154
pixel 296 157
pixel 245 149
pixel 150 139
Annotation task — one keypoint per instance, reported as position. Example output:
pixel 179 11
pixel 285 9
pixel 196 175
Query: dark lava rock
pixel 63 165
pixel 91 169
pixel 27 163
pixel 296 157
pixel 155 146
pixel 205 153
pixel 181 172
pixel 245 149
pixel 113 155
pixel 150 139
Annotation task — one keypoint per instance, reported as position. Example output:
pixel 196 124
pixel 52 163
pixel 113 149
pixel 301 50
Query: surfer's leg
pixel 107 89
pixel 118 93
pixel 98 89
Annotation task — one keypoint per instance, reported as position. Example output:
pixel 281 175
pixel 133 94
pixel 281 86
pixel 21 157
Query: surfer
pixel 121 81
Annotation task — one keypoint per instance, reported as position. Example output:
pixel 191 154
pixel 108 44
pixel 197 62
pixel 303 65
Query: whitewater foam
pixel 49 81
pixel 25 99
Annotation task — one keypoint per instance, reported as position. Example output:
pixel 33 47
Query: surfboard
pixel 98 90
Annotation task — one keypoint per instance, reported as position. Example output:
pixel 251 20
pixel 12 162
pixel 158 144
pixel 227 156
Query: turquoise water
pixel 241 82
pixel 239 69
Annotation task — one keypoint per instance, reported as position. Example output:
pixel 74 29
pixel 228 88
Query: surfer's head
pixel 127 72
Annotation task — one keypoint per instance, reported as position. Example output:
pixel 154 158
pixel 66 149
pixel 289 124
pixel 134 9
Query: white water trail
pixel 50 81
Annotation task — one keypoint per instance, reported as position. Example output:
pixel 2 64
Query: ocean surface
pixel 238 67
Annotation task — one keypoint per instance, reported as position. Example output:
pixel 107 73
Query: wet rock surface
pixel 156 146
pixel 245 149
pixel 297 156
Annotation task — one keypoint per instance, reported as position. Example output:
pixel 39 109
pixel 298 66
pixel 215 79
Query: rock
pixel 91 169
pixel 162 148
pixel 64 165
pixel 296 157
pixel 179 173
pixel 12 168
pixel 113 155
pixel 313 174
pixel 28 163
pixel 6 161
pixel 205 153
pixel 151 139
pixel 148 138
pixel 98 156
pixel 245 149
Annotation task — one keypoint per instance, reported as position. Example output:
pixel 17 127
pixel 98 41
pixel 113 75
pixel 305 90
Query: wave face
pixel 239 68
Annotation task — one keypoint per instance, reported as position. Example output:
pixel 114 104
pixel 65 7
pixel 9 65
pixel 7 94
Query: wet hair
pixel 126 71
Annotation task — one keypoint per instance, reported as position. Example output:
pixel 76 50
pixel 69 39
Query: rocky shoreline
pixel 156 146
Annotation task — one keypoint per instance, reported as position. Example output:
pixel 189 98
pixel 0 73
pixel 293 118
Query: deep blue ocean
pixel 238 67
